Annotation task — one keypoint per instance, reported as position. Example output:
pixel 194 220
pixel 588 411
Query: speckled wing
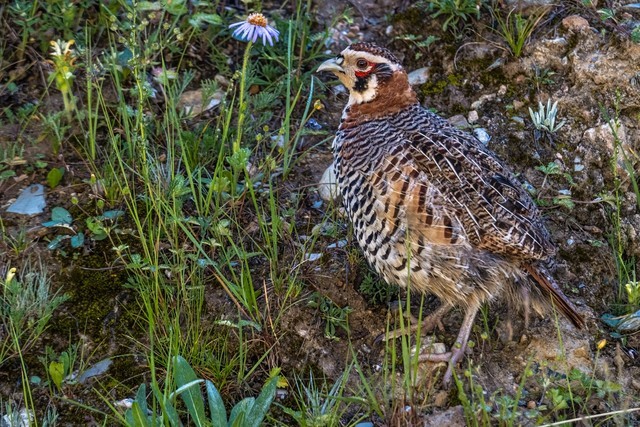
pixel 446 189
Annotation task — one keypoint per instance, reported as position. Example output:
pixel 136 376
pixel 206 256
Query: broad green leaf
pixel 168 410
pixel 77 241
pixel 262 403
pixel 61 214
pixel 240 411
pixel 139 415
pixel 55 242
pixel 56 372
pixel 54 176
pixel 210 18
pixel 216 405
pixel 192 395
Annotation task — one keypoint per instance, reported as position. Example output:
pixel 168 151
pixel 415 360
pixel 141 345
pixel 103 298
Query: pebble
pixel 473 116
pixel 575 23
pixel 484 98
pixel 327 187
pixel 419 76
pixel 517 119
pixel 459 121
pixel 482 135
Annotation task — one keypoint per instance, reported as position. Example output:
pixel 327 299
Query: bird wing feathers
pixel 447 189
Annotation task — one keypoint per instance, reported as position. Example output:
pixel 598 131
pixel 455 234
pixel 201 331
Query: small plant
pixel 516 29
pixel 563 198
pixel 26 306
pixel 544 120
pixel 420 43
pixel 333 315
pixel 376 290
pixel 454 11
pixel 542 76
pixel 317 406
pixel 249 412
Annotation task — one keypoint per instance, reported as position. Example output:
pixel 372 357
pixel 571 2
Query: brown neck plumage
pixel 393 95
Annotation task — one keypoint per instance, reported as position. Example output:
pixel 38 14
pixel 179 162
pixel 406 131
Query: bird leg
pixel 457 351
pixel 428 324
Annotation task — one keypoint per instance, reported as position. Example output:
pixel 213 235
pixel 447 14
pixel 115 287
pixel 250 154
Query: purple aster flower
pixel 254 27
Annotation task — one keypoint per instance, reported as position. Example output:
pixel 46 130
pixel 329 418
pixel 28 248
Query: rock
pixel 575 24
pixel 192 102
pixel 452 417
pixel 484 98
pixel 517 105
pixel 482 135
pixel 327 187
pixel 419 76
pixel 517 119
pixel 473 116
pixel 459 121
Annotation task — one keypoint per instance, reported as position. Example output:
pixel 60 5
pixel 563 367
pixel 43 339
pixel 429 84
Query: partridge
pixel 432 208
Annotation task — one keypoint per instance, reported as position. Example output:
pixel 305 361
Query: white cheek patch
pixel 367 95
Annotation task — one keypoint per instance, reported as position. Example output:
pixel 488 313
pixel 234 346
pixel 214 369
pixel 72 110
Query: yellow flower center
pixel 257 19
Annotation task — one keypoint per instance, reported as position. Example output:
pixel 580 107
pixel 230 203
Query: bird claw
pixel 451 358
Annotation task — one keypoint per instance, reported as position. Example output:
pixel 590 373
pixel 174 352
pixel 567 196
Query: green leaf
pixel 217 410
pixel 240 411
pixel 148 6
pixel 168 410
pixel 262 403
pixel 210 18
pixel 191 395
pixel 59 216
pixel 175 7
pixel 141 398
pixel 113 214
pixel 139 416
pixel 7 174
pixel 55 242
pixel 56 372
pixel 77 241
pixel 54 177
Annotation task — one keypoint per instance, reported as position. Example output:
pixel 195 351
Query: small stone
pixel 473 116
pixel 440 399
pixel 419 76
pixel 389 30
pixel 575 23
pixel 482 135
pixel 327 187
pixel 517 119
pixel 517 105
pixel 502 91
pixel 531 404
pixel 484 98
pixel 459 121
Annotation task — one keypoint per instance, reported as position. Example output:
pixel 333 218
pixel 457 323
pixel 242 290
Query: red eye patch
pixel 364 73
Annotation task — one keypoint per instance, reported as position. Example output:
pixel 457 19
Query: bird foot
pixel 434 320
pixel 451 358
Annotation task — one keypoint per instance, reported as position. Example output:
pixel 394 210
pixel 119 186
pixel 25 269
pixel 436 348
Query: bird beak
pixel 330 65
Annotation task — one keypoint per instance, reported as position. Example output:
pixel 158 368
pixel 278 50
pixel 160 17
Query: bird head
pixel 369 72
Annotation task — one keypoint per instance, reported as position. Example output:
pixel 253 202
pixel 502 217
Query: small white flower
pixel 255 26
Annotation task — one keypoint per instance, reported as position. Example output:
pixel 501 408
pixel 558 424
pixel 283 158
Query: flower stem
pixel 242 102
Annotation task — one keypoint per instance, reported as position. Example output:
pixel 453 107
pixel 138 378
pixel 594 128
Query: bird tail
pixel 550 288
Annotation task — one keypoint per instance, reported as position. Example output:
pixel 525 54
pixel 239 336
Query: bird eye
pixel 362 63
